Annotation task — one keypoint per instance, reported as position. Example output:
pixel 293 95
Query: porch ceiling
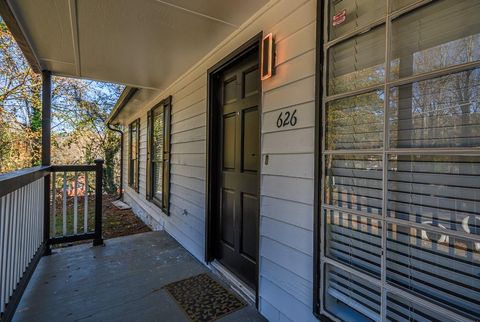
pixel 140 43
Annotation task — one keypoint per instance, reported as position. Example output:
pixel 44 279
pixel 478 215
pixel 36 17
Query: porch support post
pixel 46 152
pixel 46 117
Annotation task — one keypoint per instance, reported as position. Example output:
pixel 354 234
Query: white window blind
pixel 400 219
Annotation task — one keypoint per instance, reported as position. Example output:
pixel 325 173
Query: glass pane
pixel 442 34
pixel 440 267
pixel 157 152
pixel 357 63
pixel 354 240
pixel 440 112
pixel 400 309
pixel 354 182
pixel 158 136
pixel 349 297
pixel 348 15
pixel 157 179
pixel 166 184
pixel 442 191
pixel 131 172
pixel 355 122
pixel 133 141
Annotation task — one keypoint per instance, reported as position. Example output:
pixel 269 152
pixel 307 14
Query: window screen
pixel 158 163
pixel 400 191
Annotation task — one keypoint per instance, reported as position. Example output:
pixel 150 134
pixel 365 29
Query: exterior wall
pixel 287 185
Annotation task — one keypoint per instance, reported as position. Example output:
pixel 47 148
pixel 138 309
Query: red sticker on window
pixel 339 18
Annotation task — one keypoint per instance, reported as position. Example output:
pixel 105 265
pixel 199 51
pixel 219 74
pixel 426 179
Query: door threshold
pixel 237 284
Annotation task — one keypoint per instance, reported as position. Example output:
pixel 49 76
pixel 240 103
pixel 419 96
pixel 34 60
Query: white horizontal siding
pixel 189 112
pixel 189 124
pixel 286 241
pixel 296 262
pixel 194 160
pixel 296 69
pixel 295 141
pixel 288 188
pixel 291 307
pixel 296 237
pixel 143 155
pixel 305 116
pixel 301 91
pixel 194 135
pixel 188 182
pixel 196 147
pixel 282 210
pixel 290 165
pixel 296 286
pixel 286 238
pixel 191 195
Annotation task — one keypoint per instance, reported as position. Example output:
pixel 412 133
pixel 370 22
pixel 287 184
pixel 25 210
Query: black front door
pixel 239 153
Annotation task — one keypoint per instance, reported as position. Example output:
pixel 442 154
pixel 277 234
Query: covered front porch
pixel 121 278
pixel 125 280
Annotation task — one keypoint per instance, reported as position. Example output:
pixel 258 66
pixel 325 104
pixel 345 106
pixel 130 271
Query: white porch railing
pixel 28 220
pixel 21 227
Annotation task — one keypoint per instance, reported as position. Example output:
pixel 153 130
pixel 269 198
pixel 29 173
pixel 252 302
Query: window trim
pixel 318 171
pixel 164 202
pixel 131 183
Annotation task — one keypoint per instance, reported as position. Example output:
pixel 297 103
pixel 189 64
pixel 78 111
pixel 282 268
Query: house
pixel 324 156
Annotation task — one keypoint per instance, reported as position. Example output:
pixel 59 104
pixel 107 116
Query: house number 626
pixel 288 118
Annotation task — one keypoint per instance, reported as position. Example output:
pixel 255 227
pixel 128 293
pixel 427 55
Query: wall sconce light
pixel 268 57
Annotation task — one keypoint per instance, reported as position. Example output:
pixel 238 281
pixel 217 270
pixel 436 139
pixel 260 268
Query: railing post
pixel 46 150
pixel 98 202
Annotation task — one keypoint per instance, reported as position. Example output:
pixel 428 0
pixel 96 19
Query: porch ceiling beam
pixel 17 31
pixel 196 13
pixel 72 5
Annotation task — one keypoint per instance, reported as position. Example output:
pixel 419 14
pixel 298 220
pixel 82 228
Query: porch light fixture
pixel 268 57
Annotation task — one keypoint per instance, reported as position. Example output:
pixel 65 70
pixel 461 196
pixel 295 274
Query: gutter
pixel 120 195
pixel 126 95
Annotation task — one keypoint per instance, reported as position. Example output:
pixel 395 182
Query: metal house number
pixel 287 118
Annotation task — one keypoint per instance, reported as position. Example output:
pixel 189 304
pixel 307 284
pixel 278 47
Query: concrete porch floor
pixel 119 282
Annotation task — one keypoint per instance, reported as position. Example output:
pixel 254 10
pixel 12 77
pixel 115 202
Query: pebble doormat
pixel 203 299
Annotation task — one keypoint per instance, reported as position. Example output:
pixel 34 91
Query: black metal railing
pixel 72 194
pixel 29 224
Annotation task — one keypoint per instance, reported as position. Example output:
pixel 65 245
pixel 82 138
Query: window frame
pixel 132 169
pixel 323 44
pixel 164 202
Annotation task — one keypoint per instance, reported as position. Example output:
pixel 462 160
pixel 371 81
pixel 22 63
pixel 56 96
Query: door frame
pixel 213 174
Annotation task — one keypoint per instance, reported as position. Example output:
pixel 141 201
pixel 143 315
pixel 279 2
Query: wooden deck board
pixel 122 281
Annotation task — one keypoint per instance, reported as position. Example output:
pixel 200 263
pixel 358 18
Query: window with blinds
pixel 400 190
pixel 158 155
pixel 134 154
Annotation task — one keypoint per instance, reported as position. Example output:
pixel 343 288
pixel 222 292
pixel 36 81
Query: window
pixel 134 154
pixel 158 155
pixel 400 189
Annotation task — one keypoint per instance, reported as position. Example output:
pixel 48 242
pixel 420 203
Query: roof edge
pixel 124 98
pixel 14 26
